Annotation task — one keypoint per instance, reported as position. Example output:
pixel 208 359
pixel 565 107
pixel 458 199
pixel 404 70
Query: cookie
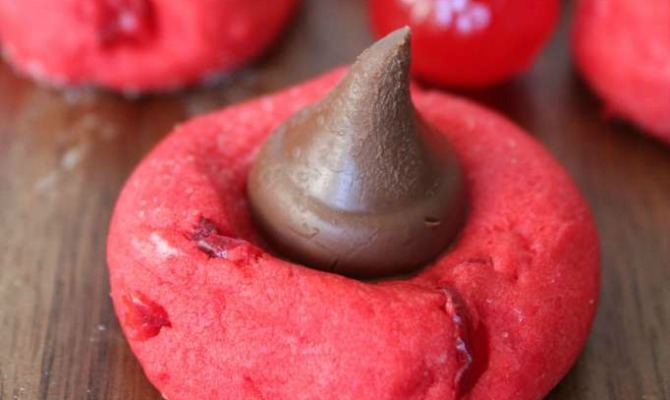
pixel 211 313
pixel 137 45
pixel 469 43
pixel 622 48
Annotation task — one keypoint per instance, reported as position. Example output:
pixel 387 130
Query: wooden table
pixel 65 156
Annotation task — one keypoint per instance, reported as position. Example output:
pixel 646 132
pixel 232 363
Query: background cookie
pixel 469 43
pixel 622 47
pixel 137 45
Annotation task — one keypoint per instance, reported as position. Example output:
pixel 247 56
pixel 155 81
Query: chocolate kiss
pixel 358 183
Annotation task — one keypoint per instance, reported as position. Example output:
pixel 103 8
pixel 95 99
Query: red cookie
pixel 137 45
pixel 623 49
pixel 469 43
pixel 210 314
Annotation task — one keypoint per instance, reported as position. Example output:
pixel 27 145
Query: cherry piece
pixel 144 318
pixel 469 43
pixel 122 21
pixel 210 240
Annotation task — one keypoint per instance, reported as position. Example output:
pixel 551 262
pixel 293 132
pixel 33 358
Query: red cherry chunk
pixel 210 240
pixel 144 318
pixel 121 21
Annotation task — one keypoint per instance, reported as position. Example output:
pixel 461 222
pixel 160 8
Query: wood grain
pixel 65 156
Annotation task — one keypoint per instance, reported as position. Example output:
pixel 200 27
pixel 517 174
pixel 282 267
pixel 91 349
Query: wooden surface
pixel 65 156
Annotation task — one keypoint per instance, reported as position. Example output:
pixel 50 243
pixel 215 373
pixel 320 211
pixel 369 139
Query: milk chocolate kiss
pixel 358 183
